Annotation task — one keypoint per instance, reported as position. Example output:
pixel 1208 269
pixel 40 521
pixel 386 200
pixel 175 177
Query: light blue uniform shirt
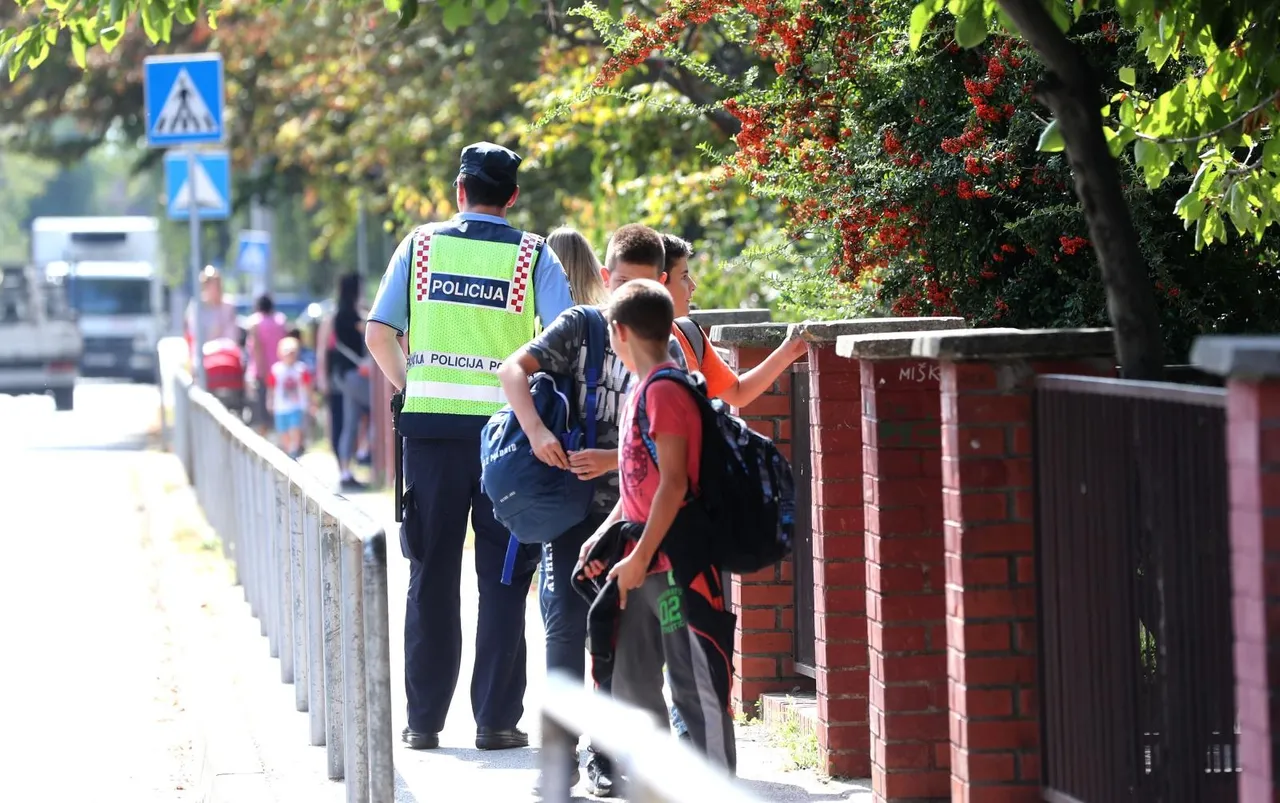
pixel 550 285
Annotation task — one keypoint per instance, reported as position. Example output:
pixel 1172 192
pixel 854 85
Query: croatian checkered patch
pixel 525 256
pixel 421 260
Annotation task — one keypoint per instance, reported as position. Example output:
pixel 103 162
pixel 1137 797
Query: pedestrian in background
pixel 264 330
pixel 581 267
pixel 351 368
pixel 290 384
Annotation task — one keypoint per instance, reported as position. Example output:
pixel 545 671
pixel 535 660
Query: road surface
pixel 92 709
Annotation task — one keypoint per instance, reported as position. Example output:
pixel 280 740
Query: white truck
pixel 40 344
pixel 110 269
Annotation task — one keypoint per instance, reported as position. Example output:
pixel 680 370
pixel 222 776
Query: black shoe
pixel 500 738
pixel 365 459
pixel 420 741
pixel 354 485
pixel 600 776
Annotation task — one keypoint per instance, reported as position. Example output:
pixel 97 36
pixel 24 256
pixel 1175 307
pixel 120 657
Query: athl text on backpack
pixel 745 484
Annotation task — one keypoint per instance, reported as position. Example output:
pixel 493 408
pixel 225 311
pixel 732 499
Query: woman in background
pixel 581 267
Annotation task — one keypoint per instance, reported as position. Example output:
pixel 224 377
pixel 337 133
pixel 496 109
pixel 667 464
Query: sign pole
pixel 193 218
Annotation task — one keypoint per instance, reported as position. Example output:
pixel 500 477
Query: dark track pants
pixel 688 630
pixel 442 482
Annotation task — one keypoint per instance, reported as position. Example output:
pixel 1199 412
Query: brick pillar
pixel 987 380
pixel 763 602
pixel 1252 368
pixel 839 572
pixel 906 606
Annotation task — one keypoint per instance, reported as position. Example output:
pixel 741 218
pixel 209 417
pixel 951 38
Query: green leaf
pixel 458 14
pixel 921 16
pixel 1189 207
pixel 1061 15
pixel 497 10
pixel 1238 206
pixel 408 12
pixel 1128 76
pixel 78 49
pixel 971 29
pixel 1051 139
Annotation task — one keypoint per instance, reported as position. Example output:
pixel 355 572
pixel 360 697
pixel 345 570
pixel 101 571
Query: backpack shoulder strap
pixel 693 333
pixel 594 369
pixel 642 415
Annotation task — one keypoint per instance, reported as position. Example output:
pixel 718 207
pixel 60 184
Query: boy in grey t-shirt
pixel 635 252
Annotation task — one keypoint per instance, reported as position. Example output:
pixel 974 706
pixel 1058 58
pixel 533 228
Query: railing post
pixel 555 758
pixel 354 675
pixel 298 585
pixel 260 532
pixel 271 573
pixel 284 571
pixel 331 599
pixel 315 623
pixel 378 668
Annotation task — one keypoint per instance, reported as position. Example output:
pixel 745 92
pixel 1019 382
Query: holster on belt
pixel 397 405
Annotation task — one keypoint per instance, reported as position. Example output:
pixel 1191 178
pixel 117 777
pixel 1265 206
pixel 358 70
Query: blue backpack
pixel 533 500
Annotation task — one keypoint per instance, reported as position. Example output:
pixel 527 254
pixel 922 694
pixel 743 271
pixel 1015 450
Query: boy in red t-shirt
pixel 682 624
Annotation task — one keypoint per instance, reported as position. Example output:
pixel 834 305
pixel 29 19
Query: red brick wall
pixel 840 597
pixel 764 602
pixel 990 594
pixel 906 609
pixel 1253 457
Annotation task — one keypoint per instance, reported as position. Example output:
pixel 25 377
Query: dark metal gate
pixel 1137 680
pixel 804 648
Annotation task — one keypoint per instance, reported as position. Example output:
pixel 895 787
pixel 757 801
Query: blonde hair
pixel 288 345
pixel 580 265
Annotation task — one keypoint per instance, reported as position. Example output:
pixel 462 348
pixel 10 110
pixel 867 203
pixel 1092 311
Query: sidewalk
pixel 456 771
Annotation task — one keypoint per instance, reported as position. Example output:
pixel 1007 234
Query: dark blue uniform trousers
pixel 442 488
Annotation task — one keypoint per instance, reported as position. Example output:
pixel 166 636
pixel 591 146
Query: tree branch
pixel 697 91
pixel 1267 101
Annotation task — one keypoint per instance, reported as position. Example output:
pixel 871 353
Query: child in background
pixel 290 383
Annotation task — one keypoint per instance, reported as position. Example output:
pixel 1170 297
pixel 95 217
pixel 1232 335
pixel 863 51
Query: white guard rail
pixel 659 769
pixel 314 572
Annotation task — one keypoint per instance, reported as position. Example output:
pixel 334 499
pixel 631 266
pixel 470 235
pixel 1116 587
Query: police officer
pixel 467 292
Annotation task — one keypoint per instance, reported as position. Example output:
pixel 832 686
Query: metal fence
pixel 1137 695
pixel 314 572
pixel 805 639
pixel 659 768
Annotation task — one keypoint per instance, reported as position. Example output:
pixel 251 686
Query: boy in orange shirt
pixel 722 382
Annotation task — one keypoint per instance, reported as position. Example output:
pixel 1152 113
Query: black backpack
pixel 746 489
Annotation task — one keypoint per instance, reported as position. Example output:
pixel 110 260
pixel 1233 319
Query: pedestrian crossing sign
pixel 184 99
pixel 210 184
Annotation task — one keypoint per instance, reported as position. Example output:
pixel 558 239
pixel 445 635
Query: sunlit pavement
pixel 90 710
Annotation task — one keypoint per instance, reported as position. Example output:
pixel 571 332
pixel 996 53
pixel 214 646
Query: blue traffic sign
pixel 211 185
pixel 254 254
pixel 184 99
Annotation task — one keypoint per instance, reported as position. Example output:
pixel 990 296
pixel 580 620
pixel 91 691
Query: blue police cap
pixel 492 164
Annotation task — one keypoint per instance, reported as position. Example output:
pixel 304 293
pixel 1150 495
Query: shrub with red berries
pixel 912 179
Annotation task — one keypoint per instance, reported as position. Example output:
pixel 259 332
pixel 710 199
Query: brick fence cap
pixel 771 334
pixel 707 318
pixel 1256 357
pixel 997 344
pixel 890 345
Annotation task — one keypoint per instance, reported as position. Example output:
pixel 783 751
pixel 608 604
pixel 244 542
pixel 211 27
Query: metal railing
pixel 1138 693
pixel 659 769
pixel 314 572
